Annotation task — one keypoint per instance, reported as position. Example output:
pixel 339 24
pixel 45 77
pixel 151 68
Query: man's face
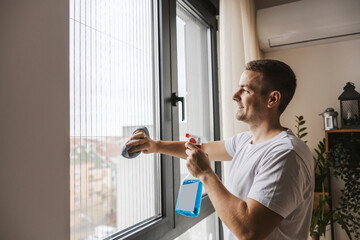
pixel 250 102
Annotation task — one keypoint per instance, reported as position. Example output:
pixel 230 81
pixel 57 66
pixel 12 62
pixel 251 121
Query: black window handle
pixel 174 100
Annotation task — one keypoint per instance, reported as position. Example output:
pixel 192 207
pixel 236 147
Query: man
pixel 269 190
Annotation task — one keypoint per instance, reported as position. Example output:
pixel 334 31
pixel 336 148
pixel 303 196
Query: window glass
pixel 194 77
pixel 113 90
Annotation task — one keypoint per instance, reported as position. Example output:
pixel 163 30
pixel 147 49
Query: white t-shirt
pixel 277 173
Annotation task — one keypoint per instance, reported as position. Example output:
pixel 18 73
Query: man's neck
pixel 265 131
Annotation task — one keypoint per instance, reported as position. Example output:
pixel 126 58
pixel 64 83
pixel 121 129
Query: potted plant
pixel 321 215
pixel 344 158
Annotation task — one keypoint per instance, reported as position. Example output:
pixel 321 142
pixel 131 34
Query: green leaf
pixel 302 129
pixel 302 122
pixel 303 135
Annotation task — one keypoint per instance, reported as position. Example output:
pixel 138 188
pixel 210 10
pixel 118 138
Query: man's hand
pixel 197 161
pixel 141 142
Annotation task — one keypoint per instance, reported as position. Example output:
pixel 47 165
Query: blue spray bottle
pixel 190 192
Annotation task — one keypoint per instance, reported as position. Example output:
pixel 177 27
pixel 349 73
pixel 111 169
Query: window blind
pixel 113 90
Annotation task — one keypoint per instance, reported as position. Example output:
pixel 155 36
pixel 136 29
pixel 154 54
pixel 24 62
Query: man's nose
pixel 236 96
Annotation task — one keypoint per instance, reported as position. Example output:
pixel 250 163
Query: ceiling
pixel 260 4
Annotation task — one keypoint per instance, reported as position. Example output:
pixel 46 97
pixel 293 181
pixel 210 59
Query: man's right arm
pixel 141 142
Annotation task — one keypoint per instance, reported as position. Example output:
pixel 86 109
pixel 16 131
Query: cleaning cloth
pixel 125 149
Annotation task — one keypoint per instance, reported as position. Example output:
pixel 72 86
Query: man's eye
pixel 244 91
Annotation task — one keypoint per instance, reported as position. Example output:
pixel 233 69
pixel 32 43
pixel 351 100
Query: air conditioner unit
pixel 307 22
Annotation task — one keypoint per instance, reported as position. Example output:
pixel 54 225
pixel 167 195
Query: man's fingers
pixel 188 152
pixel 138 134
pixel 188 164
pixel 134 149
pixel 191 146
pixel 136 142
pixel 138 148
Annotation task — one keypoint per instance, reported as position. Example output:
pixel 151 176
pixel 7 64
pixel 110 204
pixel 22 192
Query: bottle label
pixel 187 197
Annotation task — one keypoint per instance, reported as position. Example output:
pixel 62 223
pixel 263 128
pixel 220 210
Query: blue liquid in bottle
pixel 189 200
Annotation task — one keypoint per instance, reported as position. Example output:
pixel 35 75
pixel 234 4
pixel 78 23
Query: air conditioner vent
pixel 308 22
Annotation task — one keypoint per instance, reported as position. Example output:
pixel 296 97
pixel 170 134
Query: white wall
pixel 322 72
pixel 34 122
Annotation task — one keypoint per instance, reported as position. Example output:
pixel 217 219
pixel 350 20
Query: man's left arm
pixel 245 219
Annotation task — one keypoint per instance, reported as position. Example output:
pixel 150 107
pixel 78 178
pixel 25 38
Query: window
pixel 194 76
pixel 122 75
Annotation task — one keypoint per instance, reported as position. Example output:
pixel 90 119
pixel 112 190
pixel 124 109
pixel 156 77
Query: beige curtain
pixel 238 45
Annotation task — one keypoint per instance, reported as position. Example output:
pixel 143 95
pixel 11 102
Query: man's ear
pixel 274 99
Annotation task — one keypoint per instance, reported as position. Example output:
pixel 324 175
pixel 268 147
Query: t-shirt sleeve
pixel 230 145
pixel 235 143
pixel 279 183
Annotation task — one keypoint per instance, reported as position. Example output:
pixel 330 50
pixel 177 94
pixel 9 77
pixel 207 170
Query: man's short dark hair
pixel 276 75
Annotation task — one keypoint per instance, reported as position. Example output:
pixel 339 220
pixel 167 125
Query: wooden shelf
pixel 337 131
pixel 342 130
